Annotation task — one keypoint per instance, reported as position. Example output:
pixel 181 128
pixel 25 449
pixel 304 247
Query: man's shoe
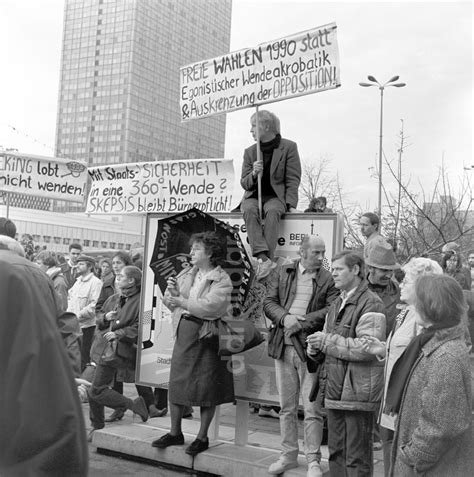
pixel 314 469
pixel 89 436
pixel 91 433
pixel 168 440
pixel 155 412
pixel 197 446
pixel 281 465
pixel 117 415
pixel 139 407
pixel 268 413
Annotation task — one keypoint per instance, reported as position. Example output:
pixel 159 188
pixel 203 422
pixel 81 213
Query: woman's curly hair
pixel 214 246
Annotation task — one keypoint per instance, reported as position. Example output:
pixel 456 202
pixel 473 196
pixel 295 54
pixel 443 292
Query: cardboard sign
pixel 300 64
pixel 50 177
pixel 161 186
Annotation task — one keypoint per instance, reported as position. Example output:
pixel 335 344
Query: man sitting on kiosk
pixel 280 170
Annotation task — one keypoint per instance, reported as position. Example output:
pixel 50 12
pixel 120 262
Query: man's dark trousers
pixel 350 443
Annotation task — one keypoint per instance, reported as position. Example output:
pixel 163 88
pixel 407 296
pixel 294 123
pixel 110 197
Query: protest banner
pixel 161 186
pixel 50 177
pixel 299 64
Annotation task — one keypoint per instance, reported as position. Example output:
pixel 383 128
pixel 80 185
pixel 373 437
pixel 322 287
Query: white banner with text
pixel 161 186
pixel 51 177
pixel 299 64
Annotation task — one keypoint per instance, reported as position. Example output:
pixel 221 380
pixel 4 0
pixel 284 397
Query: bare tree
pixel 423 222
pixel 317 179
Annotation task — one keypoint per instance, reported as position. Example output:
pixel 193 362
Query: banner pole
pixel 259 158
pixel 8 204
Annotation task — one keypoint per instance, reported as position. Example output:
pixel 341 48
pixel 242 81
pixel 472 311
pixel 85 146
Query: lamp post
pixel 374 82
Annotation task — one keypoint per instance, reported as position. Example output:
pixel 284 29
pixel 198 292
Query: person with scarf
pixel 198 376
pixel 280 171
pixel 404 330
pixel 430 387
pixel 120 315
pixel 46 260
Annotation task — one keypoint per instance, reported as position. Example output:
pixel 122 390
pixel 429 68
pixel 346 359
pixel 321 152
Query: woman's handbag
pixel 276 341
pixel 237 336
pixel 109 355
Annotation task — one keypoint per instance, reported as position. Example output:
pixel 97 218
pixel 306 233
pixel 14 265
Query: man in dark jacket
pixel 297 301
pixel 354 378
pixel 41 421
pixel 381 263
pixel 280 171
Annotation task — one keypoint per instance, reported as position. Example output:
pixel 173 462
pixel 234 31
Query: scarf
pixel 402 368
pixel 127 292
pixel 267 149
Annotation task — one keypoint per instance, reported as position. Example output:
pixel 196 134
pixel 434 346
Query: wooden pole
pixel 259 158
pixel 8 204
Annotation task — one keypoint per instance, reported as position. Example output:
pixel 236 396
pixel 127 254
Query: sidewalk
pixel 224 458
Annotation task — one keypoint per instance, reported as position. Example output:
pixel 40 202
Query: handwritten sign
pixel 50 177
pixel 162 186
pixel 300 64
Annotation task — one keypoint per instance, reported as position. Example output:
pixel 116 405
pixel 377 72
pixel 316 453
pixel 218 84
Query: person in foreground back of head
pixel 7 227
pixel 433 434
pixel 42 430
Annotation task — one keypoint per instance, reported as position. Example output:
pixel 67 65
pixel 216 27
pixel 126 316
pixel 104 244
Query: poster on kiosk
pixel 254 371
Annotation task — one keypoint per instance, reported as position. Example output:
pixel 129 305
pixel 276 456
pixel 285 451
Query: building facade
pixel 119 79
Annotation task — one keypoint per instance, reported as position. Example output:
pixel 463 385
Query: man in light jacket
pixel 82 300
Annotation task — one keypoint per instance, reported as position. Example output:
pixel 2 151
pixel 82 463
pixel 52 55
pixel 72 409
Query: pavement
pixel 132 438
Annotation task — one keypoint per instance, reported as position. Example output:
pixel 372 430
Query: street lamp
pixel 374 82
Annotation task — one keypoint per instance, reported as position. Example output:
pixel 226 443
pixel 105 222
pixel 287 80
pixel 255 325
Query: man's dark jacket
pixel 280 295
pixel 42 431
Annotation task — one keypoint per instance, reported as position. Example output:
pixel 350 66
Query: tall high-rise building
pixel 119 83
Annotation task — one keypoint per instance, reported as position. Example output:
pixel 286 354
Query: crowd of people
pixel 377 350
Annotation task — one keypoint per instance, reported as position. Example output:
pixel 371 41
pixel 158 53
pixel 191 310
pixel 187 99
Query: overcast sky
pixel 429 44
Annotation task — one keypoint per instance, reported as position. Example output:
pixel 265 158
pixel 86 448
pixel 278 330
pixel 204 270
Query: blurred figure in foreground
pixel 41 422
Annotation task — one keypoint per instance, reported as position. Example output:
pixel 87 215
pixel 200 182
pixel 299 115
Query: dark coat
pixel 125 327
pixel 108 289
pixel 433 433
pixel 285 172
pixel 281 293
pixel 390 295
pixel 42 430
pixel 354 378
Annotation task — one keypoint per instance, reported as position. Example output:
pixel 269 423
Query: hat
pixel 7 227
pixel 381 255
pixel 86 258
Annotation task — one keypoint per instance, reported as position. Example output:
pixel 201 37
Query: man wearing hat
pixel 381 262
pixel 82 299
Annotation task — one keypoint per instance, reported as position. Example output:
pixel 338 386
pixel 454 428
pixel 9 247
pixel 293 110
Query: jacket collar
pixel 293 267
pixel 354 297
pixel 443 336
pixel 213 275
